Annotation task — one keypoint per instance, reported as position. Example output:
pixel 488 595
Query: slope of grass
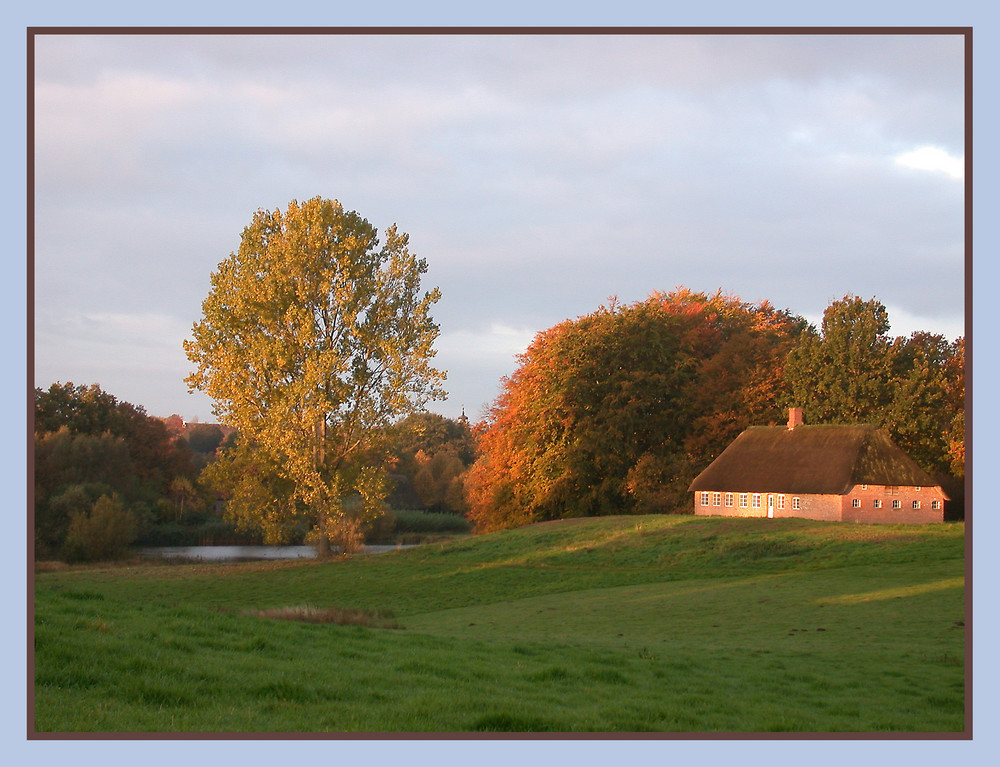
pixel 615 624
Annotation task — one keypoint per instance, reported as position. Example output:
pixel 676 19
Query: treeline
pixel 108 476
pixel 615 412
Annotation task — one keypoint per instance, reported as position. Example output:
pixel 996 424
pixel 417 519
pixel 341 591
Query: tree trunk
pixel 323 542
pixel 319 458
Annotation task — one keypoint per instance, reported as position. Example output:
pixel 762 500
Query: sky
pixel 538 175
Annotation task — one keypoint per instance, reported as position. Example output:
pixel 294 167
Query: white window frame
pixel 743 500
pixel 729 500
pixel 897 504
pixel 755 501
pixel 796 502
pixel 704 498
pixel 877 503
pixel 856 503
pixel 781 501
pixel 916 504
pixel 716 499
pixel 935 504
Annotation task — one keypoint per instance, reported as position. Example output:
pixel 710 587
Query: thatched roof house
pixel 851 473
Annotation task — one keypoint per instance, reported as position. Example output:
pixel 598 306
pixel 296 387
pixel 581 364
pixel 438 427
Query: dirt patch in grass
pixel 50 567
pixel 342 616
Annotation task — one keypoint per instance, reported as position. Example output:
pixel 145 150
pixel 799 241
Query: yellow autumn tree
pixel 313 339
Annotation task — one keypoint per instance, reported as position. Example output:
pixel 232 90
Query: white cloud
pixel 933 159
pixel 499 344
pixel 904 323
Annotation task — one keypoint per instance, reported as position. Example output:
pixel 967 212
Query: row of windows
pixel 752 500
pixel 746 500
pixel 877 503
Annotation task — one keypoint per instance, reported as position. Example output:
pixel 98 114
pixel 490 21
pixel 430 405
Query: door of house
pixel 770 505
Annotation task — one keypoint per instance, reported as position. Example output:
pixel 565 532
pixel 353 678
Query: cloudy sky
pixel 537 175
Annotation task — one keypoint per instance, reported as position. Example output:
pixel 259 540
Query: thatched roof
pixel 810 459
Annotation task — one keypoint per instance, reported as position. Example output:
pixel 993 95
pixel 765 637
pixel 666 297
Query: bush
pixel 53 514
pixel 197 530
pixel 430 522
pixel 105 533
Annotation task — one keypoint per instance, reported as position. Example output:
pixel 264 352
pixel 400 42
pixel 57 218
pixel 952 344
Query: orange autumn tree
pixel 956 393
pixel 616 411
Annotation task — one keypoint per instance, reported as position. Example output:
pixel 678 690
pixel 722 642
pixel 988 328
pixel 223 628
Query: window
pixel 916 504
pixel 795 503
pixel 864 487
pixel 856 503
pixel 716 499
pixel 756 500
pixel 891 490
pixel 781 501
pixel 917 488
pixel 877 503
pixel 704 499
pixel 897 505
pixel 743 500
pixel 729 500
pixel 935 504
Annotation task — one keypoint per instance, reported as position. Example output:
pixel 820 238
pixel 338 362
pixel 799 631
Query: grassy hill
pixel 616 624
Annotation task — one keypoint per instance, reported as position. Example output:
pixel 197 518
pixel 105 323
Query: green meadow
pixel 617 624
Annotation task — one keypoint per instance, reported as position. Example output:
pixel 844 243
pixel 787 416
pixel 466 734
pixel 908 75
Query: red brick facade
pixel 863 503
pixel 881 503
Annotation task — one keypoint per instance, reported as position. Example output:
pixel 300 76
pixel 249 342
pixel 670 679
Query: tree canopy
pixel 432 454
pixel 88 410
pixel 852 371
pixel 617 411
pixel 313 339
pixel 96 459
pixel 611 412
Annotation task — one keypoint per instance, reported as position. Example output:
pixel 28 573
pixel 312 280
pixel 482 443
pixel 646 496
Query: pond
pixel 246 553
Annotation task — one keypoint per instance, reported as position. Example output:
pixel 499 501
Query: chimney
pixel 794 417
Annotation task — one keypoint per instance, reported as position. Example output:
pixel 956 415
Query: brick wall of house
pixel 825 508
pixel 820 507
pixel 834 508
pixel 871 495
pixel 721 510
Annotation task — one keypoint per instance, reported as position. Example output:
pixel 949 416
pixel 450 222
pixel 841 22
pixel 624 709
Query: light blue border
pixel 511 13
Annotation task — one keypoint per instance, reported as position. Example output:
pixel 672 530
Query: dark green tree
pixel 845 373
pixel 88 444
pixel 204 438
pixel 156 458
pixel 432 454
pixel 853 371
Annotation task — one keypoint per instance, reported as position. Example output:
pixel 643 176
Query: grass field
pixel 626 624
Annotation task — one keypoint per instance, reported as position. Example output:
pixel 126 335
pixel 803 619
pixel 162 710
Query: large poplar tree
pixel 313 339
